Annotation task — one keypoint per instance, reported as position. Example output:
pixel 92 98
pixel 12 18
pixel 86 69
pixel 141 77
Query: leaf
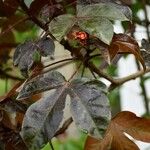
pixel 90 107
pixel 24 55
pixel 109 11
pixel 43 118
pixel 87 97
pixel 124 44
pixel 101 28
pixel 146 52
pixel 115 139
pixel 40 83
pixel 61 25
pixel 138 128
pixel 46 46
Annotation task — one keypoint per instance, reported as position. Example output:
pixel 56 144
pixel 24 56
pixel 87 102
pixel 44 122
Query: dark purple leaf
pixel 90 107
pixel 41 83
pixel 43 119
pixel 46 46
pixel 23 57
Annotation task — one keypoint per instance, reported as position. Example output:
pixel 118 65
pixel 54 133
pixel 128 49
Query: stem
pixel 99 72
pixel 120 81
pixel 51 145
pixel 60 61
pixel 58 66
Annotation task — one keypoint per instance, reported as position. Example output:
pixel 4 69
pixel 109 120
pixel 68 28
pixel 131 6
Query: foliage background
pixel 141 29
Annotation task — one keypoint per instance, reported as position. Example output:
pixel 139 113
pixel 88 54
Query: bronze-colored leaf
pixel 124 44
pixel 115 139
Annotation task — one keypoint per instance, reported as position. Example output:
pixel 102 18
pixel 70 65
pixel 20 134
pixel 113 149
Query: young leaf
pixel 61 25
pixel 101 28
pixel 115 139
pixel 43 118
pixel 109 11
pixel 90 107
pixel 40 83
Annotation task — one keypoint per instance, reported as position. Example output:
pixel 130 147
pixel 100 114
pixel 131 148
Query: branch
pixel 93 68
pixel 120 81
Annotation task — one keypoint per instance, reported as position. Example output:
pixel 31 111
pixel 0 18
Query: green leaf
pixel 110 11
pixel 90 107
pixel 40 83
pixel 100 27
pixel 43 119
pixel 61 25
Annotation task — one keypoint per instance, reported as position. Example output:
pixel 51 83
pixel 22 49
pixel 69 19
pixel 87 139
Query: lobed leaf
pixel 61 25
pixel 90 107
pixel 115 139
pixel 41 83
pixel 138 128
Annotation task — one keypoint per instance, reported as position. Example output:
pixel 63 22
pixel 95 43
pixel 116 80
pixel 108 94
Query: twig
pixel 120 81
pixel 99 72
pixel 60 61
pixel 58 66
